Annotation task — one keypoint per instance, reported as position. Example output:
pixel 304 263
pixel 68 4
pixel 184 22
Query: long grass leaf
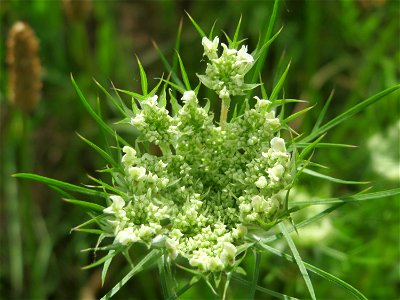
pixel 309 148
pixel 304 223
pixel 143 77
pixel 85 204
pixel 198 28
pixel 183 73
pixel 185 288
pixel 103 125
pixel 325 145
pixel 262 289
pixel 322 113
pixel 100 261
pixel 167 283
pixel 350 112
pixel 331 179
pixel 296 115
pixel 59 184
pixel 90 231
pixel 120 105
pixel 146 262
pixel 102 153
pixel 353 198
pixel 170 69
pixel 236 35
pixel 279 84
pixel 264 52
pixel 106 266
pixel 317 271
pixel 256 273
pixel 298 260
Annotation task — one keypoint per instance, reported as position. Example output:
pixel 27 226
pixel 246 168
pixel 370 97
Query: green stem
pixel 166 150
pixel 224 112
pixel 256 272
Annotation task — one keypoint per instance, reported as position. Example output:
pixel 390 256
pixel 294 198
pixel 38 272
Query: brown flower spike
pixel 24 67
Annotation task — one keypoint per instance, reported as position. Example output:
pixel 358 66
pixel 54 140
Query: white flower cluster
pixel 199 197
pixel 225 74
pixel 384 151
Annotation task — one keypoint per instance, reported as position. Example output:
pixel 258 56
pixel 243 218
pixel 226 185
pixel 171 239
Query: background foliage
pixel 349 46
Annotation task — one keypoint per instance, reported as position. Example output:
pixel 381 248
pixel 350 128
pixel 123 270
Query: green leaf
pixel 106 266
pixel 309 148
pixel 262 289
pixel 332 179
pixel 296 115
pixel 317 271
pixel 170 69
pixel 174 103
pixel 304 223
pixel 133 94
pixel 85 204
pixel 350 112
pixel 322 114
pixel 95 116
pixel 185 288
pixel 102 153
pixel 199 30
pixel 181 89
pixel 279 85
pixel 143 77
pixel 100 261
pixel 325 145
pixel 256 272
pixel 353 198
pixel 184 74
pixel 236 35
pixel 91 231
pixel 264 51
pixel 120 105
pixel 167 282
pixel 149 260
pixel 298 260
pixel 59 184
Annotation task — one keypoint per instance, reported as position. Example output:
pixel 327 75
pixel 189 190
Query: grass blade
pixel 264 50
pixel 298 260
pixel 95 116
pixel 85 205
pixel 143 77
pixel 106 266
pixel 353 198
pixel 317 271
pixel 262 289
pixel 102 153
pixel 123 109
pixel 350 112
pixel 332 179
pixel 186 287
pixel 296 115
pixel 256 272
pixel 184 74
pixel 199 30
pixel 167 282
pixel 100 261
pixel 146 262
pixel 323 112
pixel 279 84
pixel 59 184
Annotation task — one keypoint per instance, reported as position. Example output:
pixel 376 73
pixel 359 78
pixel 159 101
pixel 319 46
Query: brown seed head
pixel 77 10
pixel 24 67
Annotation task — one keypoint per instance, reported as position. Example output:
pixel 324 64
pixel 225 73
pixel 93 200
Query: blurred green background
pixel 351 46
